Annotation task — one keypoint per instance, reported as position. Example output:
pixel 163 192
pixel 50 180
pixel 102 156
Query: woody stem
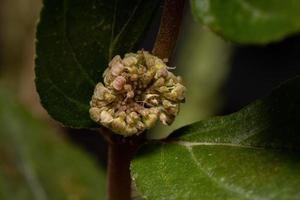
pixel 121 150
pixel 119 181
pixel 169 28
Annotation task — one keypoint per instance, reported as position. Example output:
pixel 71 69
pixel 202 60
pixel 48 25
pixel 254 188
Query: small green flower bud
pixel 118 125
pixel 167 104
pixel 158 83
pixel 150 120
pixel 95 113
pixel 99 91
pixel 133 77
pixel 130 60
pixel 179 90
pixel 164 119
pixel 108 97
pixel 138 90
pixel 130 94
pixel 128 87
pixel 163 89
pixel 134 115
pixel 144 112
pixel 140 125
pixel 131 130
pixel 163 72
pixel 129 120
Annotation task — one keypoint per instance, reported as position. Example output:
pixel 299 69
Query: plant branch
pixel 169 28
pixel 120 152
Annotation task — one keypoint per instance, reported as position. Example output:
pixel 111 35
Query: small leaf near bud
pixel 138 90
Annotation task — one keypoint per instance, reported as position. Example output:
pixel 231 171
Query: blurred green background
pixel 221 77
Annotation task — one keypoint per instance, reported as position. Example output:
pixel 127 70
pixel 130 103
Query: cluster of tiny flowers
pixel 138 90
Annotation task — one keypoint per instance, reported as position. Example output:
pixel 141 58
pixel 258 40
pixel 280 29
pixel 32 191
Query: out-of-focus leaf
pixel 251 154
pixel 36 164
pixel 249 21
pixel 75 41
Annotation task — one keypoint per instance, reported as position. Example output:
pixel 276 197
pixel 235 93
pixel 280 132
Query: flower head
pixel 138 90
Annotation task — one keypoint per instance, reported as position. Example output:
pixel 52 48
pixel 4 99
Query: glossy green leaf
pixel 249 21
pixel 75 41
pixel 251 154
pixel 36 164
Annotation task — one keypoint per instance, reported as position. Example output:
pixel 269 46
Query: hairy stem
pixel 169 28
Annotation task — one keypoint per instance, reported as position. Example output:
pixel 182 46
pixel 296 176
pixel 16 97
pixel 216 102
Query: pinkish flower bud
pixel 117 68
pixel 163 72
pixel 119 82
pixel 138 91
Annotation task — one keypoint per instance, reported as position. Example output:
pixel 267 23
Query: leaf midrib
pixel 222 184
pixel 188 144
pixel 114 40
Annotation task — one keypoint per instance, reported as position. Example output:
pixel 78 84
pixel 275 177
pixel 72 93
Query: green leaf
pixel 75 41
pixel 36 164
pixel 249 21
pixel 251 154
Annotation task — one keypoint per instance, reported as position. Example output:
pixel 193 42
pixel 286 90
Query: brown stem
pixel 119 183
pixel 120 152
pixel 169 28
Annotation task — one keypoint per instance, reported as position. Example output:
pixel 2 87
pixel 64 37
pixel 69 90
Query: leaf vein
pixel 192 144
pixel 70 99
pixel 115 40
pixel 78 64
pixel 235 189
pixel 256 13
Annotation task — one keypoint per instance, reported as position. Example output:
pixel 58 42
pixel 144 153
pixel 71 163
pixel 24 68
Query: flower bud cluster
pixel 138 90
